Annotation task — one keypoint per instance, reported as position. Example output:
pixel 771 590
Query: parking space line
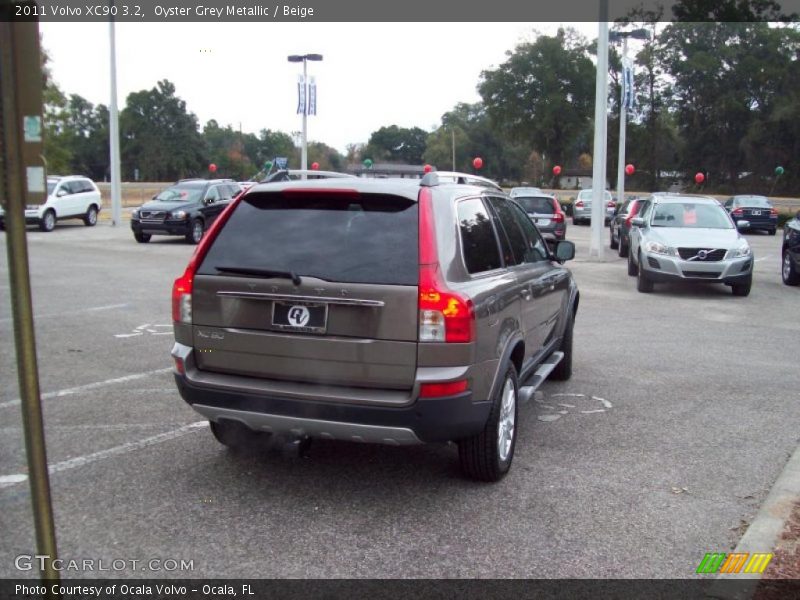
pixel 79 461
pixel 90 386
pixel 71 312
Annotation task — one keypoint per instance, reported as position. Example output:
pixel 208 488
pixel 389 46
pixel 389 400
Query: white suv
pixel 70 197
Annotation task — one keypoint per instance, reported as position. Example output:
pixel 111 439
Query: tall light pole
pixel 113 128
pixel 304 58
pixel 614 36
pixel 600 137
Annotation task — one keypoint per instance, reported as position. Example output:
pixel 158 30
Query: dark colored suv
pixel 187 208
pixel 373 310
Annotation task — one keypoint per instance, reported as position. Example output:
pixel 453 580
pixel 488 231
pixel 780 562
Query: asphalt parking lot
pixel 678 419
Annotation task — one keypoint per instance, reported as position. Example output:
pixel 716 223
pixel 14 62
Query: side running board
pixel 534 381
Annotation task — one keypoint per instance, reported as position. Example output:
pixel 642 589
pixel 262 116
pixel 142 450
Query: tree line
pixel 721 98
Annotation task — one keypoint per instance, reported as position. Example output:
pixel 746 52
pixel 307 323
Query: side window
pixel 644 211
pixel 212 195
pixel 69 187
pixel 478 240
pixel 729 203
pixel 86 185
pixel 224 192
pixel 536 250
pixel 516 239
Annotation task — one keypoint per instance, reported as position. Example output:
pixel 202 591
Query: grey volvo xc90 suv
pixel 384 311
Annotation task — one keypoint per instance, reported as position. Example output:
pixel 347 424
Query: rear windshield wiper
pixel 262 273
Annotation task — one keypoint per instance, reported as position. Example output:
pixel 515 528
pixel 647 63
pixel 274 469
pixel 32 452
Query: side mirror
pixel 637 222
pixel 61 192
pixel 565 250
pixel 742 224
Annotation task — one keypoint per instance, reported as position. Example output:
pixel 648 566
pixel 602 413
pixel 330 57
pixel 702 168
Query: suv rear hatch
pixel 313 286
pixel 540 208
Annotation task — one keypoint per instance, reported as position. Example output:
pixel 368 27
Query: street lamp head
pixel 295 58
pixel 313 56
pixel 640 34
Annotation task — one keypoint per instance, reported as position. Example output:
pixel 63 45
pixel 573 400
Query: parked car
pixel 545 212
pixel 790 251
pixel 394 311
pixel 582 208
pixel 756 210
pixel 186 208
pixel 68 197
pixel 299 174
pixel 620 225
pixel 688 238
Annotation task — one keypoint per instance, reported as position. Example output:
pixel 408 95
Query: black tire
pixel 480 456
pixel 773 231
pixel 90 218
pixel 563 370
pixel 48 222
pixel 789 272
pixel 632 268
pixel 142 238
pixel 614 244
pixel 196 232
pixel 575 222
pixel 742 289
pixel 622 251
pixel 643 283
pixel 236 436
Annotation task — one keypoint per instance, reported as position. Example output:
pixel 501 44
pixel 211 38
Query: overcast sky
pixel 372 75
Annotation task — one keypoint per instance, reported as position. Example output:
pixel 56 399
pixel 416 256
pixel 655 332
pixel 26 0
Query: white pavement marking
pixel 567 395
pixel 148 328
pixel 605 402
pixel 79 461
pixel 589 412
pixel 71 312
pixel 90 386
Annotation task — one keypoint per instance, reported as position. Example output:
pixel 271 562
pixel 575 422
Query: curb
pixel 764 532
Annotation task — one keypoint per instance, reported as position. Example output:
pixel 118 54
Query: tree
pixel 543 95
pixel 397 144
pixel 329 159
pixel 159 137
pixel 727 81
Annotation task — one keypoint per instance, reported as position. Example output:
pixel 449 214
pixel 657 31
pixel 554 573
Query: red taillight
pixel 632 210
pixel 558 217
pixel 180 368
pixel 773 212
pixel 738 212
pixel 579 204
pixel 610 204
pixel 435 390
pixel 182 288
pixel 444 316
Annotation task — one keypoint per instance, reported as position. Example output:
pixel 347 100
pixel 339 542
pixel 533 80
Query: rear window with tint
pixel 360 239
pixel 536 204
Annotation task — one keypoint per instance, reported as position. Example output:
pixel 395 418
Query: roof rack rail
pixel 441 177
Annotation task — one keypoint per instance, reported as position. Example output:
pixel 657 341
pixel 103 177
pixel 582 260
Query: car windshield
pixel 696 216
pixel 536 204
pixel 755 201
pixel 180 193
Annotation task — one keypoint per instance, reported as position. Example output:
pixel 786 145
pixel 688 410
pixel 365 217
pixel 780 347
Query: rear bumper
pixel 769 222
pixel 427 420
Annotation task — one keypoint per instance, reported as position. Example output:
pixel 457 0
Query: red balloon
pixel 630 169
pixel 699 178
pixel 212 167
pixel 427 169
pixel 315 166
pixel 477 162
pixel 557 170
